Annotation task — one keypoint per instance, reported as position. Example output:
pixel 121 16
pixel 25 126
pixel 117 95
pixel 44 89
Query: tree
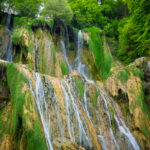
pixel 58 9
pixel 1 4
pixel 88 13
pixel 134 36
pixel 25 7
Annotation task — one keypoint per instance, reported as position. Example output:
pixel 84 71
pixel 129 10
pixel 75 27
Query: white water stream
pixel 76 125
pixel 9 49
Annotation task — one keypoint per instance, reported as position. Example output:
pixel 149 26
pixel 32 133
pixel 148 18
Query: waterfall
pixel 65 55
pixel 99 2
pixel 42 106
pixel 82 127
pixel 86 104
pixel 109 119
pixel 39 97
pixel 9 49
pixel 123 129
pixel 79 66
pixel 80 122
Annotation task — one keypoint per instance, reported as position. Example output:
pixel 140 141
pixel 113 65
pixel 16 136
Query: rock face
pixel 126 86
pixel 4 41
pixel 20 123
pixel 46 105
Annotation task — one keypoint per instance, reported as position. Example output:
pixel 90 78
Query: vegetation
pixel 80 87
pixel 21 100
pixel 25 7
pixel 58 9
pixel 134 34
pixel 94 97
pixel 103 59
pixel 64 68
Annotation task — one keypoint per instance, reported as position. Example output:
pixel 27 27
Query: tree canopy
pixel 25 7
pixel 126 23
pixel 58 9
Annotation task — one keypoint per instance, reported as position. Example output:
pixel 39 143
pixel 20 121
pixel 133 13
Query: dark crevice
pixel 4 90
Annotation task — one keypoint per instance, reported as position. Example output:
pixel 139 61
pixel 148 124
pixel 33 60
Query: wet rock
pixel 147 72
pixel 147 87
pixel 4 41
pixel 6 143
pixel 66 144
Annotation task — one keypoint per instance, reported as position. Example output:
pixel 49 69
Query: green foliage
pixel 103 60
pixel 37 21
pixel 140 103
pixel 51 22
pixel 80 87
pixel 25 7
pixel 20 100
pixel 94 97
pixel 88 13
pixel 64 68
pixel 53 53
pixel 134 35
pixel 17 37
pixel 123 75
pixel 111 29
pixel 95 45
pixel 136 72
pixel 58 9
pixel 2 4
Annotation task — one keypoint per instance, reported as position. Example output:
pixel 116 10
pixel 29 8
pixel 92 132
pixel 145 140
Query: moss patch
pixel 103 59
pixel 64 68
pixel 25 127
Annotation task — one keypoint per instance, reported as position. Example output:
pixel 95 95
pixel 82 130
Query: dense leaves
pixel 126 22
pixel 58 9
pixel 25 7
pixel 134 34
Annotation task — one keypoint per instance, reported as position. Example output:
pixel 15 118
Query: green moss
pixel 80 87
pixel 123 75
pixel 71 46
pixel 136 72
pixel 53 53
pixel 17 37
pixel 20 21
pixel 51 22
pixel 1 26
pixel 64 68
pixel 103 59
pixel 95 45
pixel 1 124
pixel 19 127
pixel 94 97
pixel 145 131
pixel 141 105
pixel 140 101
pixel 43 61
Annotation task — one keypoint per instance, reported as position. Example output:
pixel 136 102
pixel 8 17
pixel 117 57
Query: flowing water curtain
pixel 9 49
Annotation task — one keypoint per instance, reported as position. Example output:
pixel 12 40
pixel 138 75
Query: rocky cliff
pixel 65 91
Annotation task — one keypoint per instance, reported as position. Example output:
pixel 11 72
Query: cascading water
pixel 99 2
pixel 79 66
pixel 42 108
pixel 123 129
pixel 9 49
pixel 80 122
pixel 76 109
pixel 82 128
pixel 65 55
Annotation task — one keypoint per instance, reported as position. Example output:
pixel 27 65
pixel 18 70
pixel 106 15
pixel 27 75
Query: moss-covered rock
pixel 20 123
pixel 127 86
pixel 4 42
